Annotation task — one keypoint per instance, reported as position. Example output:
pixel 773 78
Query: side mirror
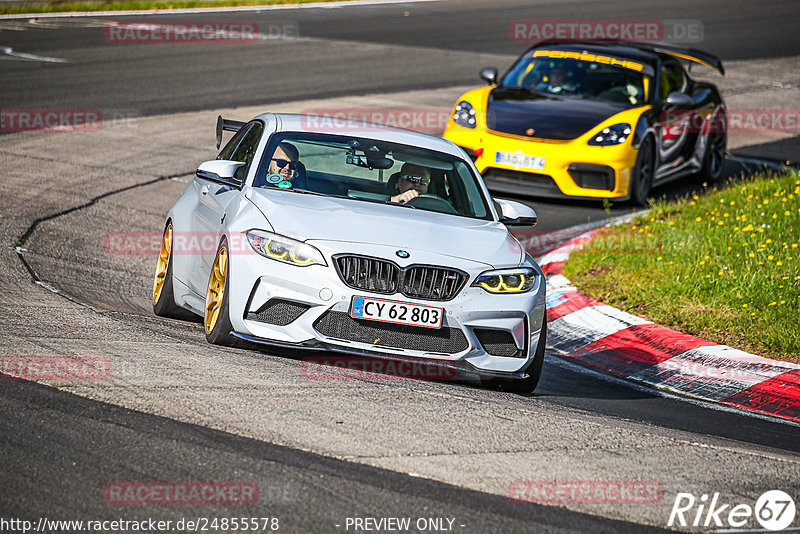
pixel 489 74
pixel 220 170
pixel 513 213
pixel 678 100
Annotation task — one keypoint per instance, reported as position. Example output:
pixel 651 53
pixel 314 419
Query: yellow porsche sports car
pixel 593 120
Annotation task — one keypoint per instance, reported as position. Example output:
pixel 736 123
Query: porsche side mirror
pixel 220 170
pixel 678 100
pixel 513 213
pixel 489 74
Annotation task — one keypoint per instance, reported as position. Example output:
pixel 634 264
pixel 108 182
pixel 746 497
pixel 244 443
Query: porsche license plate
pixel 390 311
pixel 520 160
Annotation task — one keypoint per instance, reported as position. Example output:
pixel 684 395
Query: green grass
pixel 724 266
pixel 56 6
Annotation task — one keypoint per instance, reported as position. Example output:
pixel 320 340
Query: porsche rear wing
pixel 228 126
pixel 689 54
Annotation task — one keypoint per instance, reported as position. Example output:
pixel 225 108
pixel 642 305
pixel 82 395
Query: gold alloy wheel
pixel 163 264
pixel 216 289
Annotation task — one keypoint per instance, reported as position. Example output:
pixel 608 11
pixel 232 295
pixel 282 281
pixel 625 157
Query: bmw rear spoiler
pixel 228 126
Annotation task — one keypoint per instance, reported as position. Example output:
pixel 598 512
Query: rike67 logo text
pixel 774 510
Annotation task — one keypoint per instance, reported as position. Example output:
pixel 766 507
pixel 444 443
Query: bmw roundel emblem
pixel 402 254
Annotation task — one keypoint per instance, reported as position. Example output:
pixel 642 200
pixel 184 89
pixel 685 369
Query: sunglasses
pixel 422 180
pixel 281 163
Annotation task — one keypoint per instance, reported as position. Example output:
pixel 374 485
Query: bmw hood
pixel 514 111
pixel 329 219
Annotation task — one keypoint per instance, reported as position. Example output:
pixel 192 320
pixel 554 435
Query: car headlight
pixel 285 249
pixel 507 280
pixel 464 114
pixel 611 135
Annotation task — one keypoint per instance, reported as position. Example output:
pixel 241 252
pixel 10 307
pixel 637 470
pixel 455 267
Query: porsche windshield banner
pixel 596 58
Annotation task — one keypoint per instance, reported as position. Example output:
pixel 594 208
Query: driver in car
pixel 556 82
pixel 284 161
pixel 413 182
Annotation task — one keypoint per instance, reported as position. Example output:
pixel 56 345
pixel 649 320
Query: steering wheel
pixel 431 202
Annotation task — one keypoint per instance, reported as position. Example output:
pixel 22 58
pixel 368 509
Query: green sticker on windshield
pixel 286 184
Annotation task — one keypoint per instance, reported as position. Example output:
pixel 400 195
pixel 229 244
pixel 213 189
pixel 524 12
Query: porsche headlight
pixel 507 280
pixel 612 135
pixel 285 249
pixel 464 114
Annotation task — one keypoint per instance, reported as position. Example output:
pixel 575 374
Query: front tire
pixel 643 172
pixel 529 383
pixel 716 146
pixel 163 293
pixel 216 316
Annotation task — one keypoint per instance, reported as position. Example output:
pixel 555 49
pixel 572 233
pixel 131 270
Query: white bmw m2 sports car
pixel 314 233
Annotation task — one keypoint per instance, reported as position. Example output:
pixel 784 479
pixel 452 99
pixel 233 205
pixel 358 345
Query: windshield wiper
pixel 404 204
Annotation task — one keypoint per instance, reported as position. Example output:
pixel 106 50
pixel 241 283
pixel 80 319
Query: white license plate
pixel 520 160
pixel 390 311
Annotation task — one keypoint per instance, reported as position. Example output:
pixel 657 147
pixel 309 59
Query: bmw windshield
pixel 369 170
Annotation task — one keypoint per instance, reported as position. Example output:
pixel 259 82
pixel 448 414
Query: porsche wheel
pixel 163 295
pixel 529 383
pixel 216 316
pixel 643 172
pixel 714 157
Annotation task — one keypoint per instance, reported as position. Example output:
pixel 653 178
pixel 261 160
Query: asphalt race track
pixel 176 409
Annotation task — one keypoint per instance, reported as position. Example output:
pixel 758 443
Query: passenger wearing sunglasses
pixel 284 161
pixel 413 182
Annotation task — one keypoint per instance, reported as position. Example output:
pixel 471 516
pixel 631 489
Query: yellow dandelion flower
pixel 778 263
pixel 658 258
pixel 769 240
pixel 702 262
pixel 752 255
pixel 770 257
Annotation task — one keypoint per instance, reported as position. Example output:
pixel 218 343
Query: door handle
pixel 204 190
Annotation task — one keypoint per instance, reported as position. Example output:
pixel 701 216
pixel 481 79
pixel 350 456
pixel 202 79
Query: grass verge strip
pixel 724 267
